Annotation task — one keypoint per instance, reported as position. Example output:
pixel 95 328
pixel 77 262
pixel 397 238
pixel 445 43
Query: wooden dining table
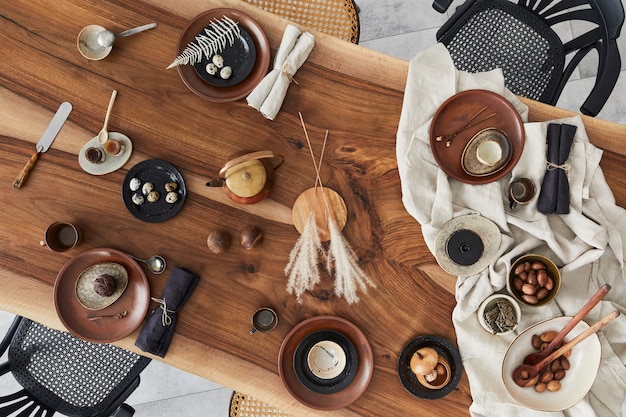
pixel 354 93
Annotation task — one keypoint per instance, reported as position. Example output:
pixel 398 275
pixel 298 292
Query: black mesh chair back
pixel 521 38
pixel 61 373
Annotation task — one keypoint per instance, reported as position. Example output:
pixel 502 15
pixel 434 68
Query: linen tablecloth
pixel 587 243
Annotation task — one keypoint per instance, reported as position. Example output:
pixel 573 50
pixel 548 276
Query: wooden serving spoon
pixel 533 358
pixel 526 375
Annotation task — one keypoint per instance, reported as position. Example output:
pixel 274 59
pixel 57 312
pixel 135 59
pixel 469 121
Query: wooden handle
pixel 582 336
pixel 599 295
pixel 21 178
pixel 249 157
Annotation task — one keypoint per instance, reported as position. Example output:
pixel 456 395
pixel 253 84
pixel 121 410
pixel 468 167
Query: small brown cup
pixel 521 191
pixel 113 147
pixel 264 320
pixel 95 155
pixel 61 236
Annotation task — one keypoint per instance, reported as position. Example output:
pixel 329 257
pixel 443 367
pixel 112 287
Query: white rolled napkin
pixel 296 58
pixel 260 92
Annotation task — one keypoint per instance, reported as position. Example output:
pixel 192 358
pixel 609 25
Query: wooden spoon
pixel 533 358
pixel 103 135
pixel 526 375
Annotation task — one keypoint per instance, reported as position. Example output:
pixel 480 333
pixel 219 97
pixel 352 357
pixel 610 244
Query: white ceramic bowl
pixel 490 302
pixel 584 361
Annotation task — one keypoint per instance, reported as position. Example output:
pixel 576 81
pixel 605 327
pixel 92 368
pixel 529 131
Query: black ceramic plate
pixel 445 349
pixel 311 381
pixel 159 173
pixel 241 57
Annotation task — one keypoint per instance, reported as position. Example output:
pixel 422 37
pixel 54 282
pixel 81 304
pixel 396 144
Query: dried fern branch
pixel 348 274
pixel 218 35
pixel 302 267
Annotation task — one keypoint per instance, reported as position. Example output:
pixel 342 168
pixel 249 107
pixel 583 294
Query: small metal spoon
pixel 103 135
pixel 106 38
pixel 155 263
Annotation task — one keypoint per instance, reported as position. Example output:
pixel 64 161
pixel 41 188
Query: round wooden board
pixel 315 199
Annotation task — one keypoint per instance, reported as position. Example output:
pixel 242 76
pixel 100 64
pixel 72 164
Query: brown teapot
pixel 248 178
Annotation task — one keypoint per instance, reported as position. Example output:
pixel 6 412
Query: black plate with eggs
pixel 162 175
pixel 240 57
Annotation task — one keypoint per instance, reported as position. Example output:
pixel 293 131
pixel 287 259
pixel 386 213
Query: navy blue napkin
pixel 156 335
pixel 554 195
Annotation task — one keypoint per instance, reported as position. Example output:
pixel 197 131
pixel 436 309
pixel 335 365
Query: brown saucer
pixel 75 317
pixel 455 112
pixel 335 400
pixel 224 94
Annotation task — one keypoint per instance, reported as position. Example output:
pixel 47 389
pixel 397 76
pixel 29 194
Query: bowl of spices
pixel 499 314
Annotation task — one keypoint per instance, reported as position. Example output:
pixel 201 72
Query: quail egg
pixel 153 196
pixel 171 197
pixel 147 188
pixel 135 184
pixel 171 186
pixel 211 68
pixel 226 72
pixel 218 60
pixel 137 199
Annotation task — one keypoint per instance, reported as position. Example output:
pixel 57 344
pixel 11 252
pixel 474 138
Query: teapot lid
pixel 246 179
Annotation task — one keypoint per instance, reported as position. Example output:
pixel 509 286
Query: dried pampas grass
pixel 302 268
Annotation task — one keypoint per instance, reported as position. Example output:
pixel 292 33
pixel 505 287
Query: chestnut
pixel 251 237
pixel 218 241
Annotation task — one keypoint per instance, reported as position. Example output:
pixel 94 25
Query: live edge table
pixel 353 92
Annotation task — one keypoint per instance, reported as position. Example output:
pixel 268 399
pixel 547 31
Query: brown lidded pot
pixel 249 176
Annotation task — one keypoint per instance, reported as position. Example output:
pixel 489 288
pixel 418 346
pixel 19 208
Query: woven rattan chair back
pixel 520 36
pixel 242 405
pixel 62 373
pixel 338 18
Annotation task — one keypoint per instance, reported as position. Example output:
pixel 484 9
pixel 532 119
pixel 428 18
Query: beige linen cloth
pixel 587 243
pixel 268 96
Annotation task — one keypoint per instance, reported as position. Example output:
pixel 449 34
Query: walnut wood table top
pixel 354 92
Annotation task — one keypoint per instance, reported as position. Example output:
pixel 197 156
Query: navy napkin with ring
pixel 156 335
pixel 554 195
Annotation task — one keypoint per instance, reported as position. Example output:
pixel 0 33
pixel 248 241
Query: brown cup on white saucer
pixel 61 236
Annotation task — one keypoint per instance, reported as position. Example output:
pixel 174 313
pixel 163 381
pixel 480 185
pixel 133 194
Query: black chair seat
pixel 61 373
pixel 520 38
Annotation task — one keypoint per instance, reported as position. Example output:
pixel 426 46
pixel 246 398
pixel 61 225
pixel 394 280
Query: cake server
pixel 45 141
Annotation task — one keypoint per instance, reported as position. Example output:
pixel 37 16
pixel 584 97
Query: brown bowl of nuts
pixel 533 280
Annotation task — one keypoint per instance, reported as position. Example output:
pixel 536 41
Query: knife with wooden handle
pixel 45 141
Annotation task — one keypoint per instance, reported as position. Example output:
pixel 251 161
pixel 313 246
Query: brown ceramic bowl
pixel 514 289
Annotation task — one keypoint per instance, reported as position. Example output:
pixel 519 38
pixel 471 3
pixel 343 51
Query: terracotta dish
pixel 336 399
pixel 224 93
pixel 455 112
pixel 75 317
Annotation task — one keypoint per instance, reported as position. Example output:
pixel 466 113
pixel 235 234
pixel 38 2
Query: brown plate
pixel 455 112
pixel 75 317
pixel 334 400
pixel 224 94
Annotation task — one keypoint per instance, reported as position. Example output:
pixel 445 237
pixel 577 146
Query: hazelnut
pixel 251 237
pixel 218 241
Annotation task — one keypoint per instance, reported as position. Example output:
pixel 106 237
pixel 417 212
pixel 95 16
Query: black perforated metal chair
pixel 64 374
pixel 519 36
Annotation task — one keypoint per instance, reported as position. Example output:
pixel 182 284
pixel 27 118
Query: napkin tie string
pixel 285 71
pixel 166 320
pixel 565 167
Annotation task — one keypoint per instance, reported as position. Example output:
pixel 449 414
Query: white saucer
pixel 111 162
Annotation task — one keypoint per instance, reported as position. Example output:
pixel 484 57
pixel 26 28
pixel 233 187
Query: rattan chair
pixel 519 37
pixel 339 18
pixel 64 374
pixel 242 405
